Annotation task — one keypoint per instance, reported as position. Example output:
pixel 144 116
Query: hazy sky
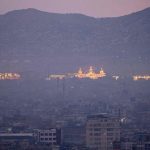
pixel 97 8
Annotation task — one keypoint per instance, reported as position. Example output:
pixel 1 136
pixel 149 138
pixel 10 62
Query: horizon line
pixel 72 13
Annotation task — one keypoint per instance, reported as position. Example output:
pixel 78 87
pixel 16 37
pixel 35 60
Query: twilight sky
pixel 96 8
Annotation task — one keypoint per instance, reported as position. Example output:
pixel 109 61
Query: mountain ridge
pixel 37 10
pixel 35 35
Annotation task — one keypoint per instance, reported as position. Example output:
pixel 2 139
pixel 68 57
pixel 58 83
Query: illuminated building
pixel 146 77
pixel 91 74
pixel 102 73
pixel 80 74
pixel 102 131
pixel 9 76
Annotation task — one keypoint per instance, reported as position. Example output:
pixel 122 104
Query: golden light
pixel 91 74
pixel 139 77
pixel 10 76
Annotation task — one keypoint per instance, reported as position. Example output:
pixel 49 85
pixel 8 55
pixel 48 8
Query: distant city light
pixel 91 74
pixel 55 76
pixel 9 76
pixel 146 77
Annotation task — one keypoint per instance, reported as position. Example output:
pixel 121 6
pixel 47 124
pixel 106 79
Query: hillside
pixel 32 40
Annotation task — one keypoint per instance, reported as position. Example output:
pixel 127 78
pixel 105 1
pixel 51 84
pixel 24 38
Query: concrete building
pixel 74 134
pixel 126 145
pixel 101 131
pixel 16 140
pixel 141 141
pixel 50 137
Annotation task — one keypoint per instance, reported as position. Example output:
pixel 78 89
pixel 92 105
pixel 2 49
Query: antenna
pixel 63 87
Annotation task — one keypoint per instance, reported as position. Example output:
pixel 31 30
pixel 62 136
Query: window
pixel 91 134
pixel 110 139
pixel 96 125
pixel 97 134
pixel 110 134
pixel 110 124
pixel 97 139
pixel 50 134
pixel 96 143
pixel 110 129
pixel 97 129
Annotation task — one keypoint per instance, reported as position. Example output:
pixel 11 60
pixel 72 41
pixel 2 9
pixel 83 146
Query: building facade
pixel 50 137
pixel 102 131
pixel 74 134
pixel 141 141
pixel 16 140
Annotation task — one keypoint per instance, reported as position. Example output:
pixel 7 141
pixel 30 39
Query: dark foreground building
pixel 16 141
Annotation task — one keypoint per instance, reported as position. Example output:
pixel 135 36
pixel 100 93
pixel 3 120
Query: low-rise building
pixel 16 140
pixel 50 136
